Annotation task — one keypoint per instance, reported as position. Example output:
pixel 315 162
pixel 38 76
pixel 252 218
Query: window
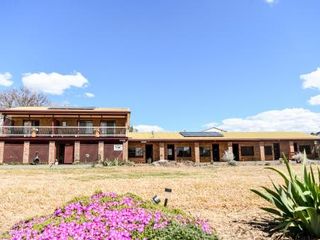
pixel 136 152
pixel 306 148
pixel 108 127
pixel 268 150
pixel 247 151
pixel 86 127
pixel 205 152
pixel 184 151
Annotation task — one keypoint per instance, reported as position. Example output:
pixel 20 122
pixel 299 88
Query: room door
pixel 149 153
pixel 276 150
pixel 170 152
pixel 215 152
pixel 68 153
pixel 235 149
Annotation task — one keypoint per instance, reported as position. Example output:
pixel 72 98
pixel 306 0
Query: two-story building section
pixel 63 134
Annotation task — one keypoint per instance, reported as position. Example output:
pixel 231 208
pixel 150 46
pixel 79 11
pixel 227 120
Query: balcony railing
pixel 58 131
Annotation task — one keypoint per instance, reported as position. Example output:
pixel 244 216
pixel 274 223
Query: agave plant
pixel 296 203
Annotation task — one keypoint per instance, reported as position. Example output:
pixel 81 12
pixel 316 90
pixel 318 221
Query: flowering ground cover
pixel 112 216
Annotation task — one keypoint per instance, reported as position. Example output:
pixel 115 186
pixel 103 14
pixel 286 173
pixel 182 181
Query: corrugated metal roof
pixel 226 136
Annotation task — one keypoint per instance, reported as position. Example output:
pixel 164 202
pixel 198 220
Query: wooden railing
pixel 58 131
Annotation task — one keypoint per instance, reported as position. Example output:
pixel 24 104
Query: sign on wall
pixel 117 147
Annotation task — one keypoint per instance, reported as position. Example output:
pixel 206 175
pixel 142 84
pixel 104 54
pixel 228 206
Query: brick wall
pixel 110 154
pixel 13 153
pixel 42 149
pixel 88 152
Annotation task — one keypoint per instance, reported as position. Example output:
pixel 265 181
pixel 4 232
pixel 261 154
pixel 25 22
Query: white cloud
pixel 289 119
pixel 270 1
pixel 148 128
pixel 315 100
pixel 89 95
pixel 53 83
pixel 5 79
pixel 311 80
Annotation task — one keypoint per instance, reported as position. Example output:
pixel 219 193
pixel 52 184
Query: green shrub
pixel 180 232
pixel 116 162
pixel 296 203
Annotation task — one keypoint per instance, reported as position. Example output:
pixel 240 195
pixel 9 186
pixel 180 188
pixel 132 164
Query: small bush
pixel 116 162
pixel 298 157
pixel 228 157
pixel 184 232
pixel 296 203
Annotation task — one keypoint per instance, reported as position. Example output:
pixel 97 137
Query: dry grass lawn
pixel 219 193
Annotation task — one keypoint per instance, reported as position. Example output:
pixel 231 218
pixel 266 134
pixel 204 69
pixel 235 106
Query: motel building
pixel 84 135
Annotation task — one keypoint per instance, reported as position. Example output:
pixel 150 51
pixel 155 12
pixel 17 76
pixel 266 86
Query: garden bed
pixel 112 216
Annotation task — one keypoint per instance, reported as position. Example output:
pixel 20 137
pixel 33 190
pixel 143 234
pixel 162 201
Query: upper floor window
pixel 247 151
pixel 31 123
pixel 108 127
pixel 86 127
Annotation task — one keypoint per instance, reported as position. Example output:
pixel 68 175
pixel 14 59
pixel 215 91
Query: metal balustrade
pixel 61 131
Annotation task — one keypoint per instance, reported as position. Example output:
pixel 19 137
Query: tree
pixel 22 97
pixel 132 129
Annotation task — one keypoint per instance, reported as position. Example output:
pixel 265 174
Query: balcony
pixel 58 131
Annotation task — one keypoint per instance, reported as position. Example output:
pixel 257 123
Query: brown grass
pixel 219 193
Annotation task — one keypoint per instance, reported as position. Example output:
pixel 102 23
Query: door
pixel 68 153
pixel 235 150
pixel 29 124
pixel 295 147
pixel 170 152
pixel 60 153
pixel 215 152
pixel 149 153
pixel 276 150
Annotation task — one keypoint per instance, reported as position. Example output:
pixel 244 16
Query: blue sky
pixel 178 64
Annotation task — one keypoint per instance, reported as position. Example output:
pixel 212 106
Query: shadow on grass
pixel 267 225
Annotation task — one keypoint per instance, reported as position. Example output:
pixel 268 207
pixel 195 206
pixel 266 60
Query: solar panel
pixel 201 134
pixel 72 108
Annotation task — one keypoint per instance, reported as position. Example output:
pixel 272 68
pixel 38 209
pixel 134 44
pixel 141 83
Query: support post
pixel 52 152
pixel 76 151
pixel 161 151
pixel 26 151
pixel 125 151
pixel 197 152
pixel 101 151
pixel 291 149
pixel 230 146
pixel 262 153
pixel 1 151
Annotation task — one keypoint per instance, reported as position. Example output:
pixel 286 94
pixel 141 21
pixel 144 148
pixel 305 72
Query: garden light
pixel 156 199
pixel 167 192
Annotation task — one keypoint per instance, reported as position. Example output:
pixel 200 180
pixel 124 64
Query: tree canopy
pixel 22 97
